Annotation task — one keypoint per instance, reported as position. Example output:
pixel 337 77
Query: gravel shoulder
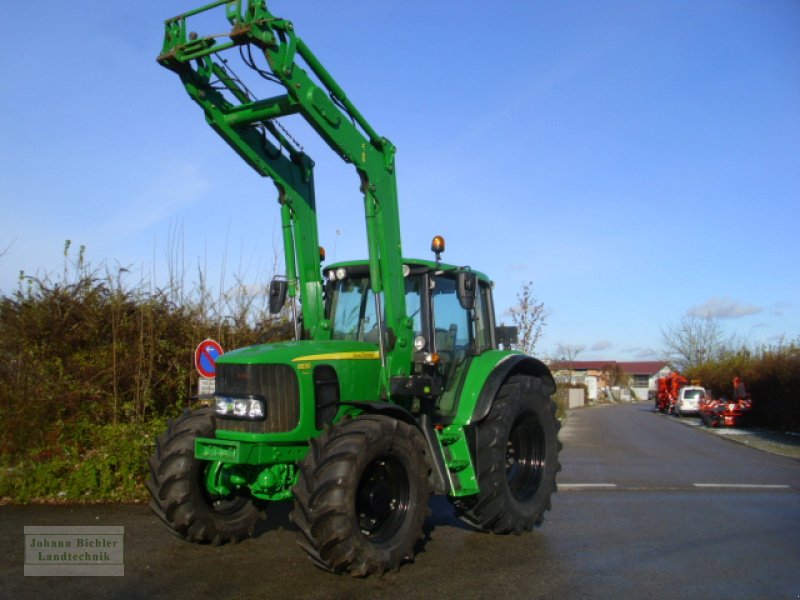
pixel 774 442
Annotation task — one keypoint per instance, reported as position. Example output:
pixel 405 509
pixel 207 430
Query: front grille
pixel 275 383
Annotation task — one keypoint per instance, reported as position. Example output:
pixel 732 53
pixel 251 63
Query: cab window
pixel 352 309
pixel 458 330
pixel 483 337
pixel 452 327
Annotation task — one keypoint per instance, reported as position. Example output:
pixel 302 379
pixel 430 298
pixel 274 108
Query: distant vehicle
pixel 724 412
pixel 668 388
pixel 689 398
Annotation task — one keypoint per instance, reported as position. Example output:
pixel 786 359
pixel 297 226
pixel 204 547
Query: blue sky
pixel 638 161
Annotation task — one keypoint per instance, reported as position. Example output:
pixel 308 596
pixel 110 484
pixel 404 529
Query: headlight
pixel 256 409
pixel 341 273
pixel 419 343
pixel 243 408
pixel 240 407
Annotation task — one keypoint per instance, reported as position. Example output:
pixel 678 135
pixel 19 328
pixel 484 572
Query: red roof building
pixel 643 374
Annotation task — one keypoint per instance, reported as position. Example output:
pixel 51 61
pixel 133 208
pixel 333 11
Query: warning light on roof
pixel 437 246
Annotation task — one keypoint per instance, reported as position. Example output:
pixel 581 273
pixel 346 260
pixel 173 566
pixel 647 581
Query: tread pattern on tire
pixel 494 508
pixel 325 493
pixel 177 491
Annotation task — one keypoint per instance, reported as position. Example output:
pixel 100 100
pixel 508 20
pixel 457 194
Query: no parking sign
pixel 205 361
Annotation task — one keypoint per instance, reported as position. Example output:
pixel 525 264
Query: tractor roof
pixel 358 265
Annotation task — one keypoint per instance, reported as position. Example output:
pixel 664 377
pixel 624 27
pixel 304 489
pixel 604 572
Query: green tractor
pixel 396 386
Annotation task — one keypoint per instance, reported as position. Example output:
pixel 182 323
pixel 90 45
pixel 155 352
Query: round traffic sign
pixel 205 358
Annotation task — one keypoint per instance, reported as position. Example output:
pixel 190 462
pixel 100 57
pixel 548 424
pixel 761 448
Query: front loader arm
pixel 248 125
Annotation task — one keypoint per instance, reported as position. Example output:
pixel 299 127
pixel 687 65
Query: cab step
pixel 458 460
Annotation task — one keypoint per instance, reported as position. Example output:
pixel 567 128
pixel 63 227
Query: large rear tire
pixel 362 495
pixel 179 494
pixel 517 447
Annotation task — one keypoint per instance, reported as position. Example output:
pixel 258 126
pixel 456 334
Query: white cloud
pixel 176 187
pixel 779 309
pixel 601 345
pixel 641 352
pixel 723 308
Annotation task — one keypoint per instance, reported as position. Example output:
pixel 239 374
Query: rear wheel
pixel 362 495
pixel 178 489
pixel 517 459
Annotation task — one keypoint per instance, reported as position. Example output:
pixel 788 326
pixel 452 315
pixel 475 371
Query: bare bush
pixel 529 316
pixel 694 340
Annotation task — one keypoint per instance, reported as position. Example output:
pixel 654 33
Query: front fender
pixel 487 373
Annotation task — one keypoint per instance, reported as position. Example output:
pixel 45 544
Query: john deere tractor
pixel 396 386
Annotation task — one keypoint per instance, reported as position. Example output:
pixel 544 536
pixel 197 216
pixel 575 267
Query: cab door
pixel 458 335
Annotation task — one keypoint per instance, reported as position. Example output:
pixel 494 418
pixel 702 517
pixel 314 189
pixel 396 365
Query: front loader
pixel 396 386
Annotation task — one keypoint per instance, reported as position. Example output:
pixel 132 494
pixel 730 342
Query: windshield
pixel 352 309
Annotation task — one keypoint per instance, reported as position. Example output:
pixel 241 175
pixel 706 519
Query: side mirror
pixel 506 335
pixel 277 295
pixel 467 288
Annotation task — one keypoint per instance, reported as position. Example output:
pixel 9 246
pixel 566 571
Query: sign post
pixel 205 361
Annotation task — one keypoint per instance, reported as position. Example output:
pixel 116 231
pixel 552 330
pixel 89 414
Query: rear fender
pixel 487 373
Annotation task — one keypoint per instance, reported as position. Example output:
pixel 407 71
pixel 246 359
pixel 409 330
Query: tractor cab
pixel 446 333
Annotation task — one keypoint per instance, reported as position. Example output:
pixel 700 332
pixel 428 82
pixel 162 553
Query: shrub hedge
pixel 94 368
pixel 771 376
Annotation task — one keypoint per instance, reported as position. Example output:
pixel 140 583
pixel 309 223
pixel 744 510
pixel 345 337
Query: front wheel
pixel 517 447
pixel 178 489
pixel 362 495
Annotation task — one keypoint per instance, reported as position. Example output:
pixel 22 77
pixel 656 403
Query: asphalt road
pixel 647 508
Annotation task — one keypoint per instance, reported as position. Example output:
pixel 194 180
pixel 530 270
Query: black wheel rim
pixel 383 498
pixel 525 457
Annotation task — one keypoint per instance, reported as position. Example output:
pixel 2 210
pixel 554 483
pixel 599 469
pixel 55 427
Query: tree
pixel 567 353
pixel 615 376
pixel 694 340
pixel 529 317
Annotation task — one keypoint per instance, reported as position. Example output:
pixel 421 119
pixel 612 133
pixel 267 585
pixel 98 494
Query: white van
pixel 689 398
